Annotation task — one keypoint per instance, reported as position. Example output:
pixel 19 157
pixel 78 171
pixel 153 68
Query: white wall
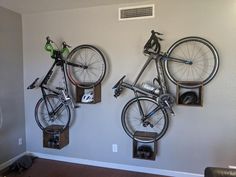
pixel 197 136
pixel 11 87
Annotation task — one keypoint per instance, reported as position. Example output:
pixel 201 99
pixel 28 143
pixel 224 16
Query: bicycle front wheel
pixel 91 67
pixel 144 114
pixel 51 112
pixel 203 57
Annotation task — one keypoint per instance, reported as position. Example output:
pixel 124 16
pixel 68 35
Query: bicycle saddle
pixel 119 82
pixel 33 85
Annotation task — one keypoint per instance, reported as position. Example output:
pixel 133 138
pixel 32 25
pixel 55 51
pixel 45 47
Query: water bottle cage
pixel 151 88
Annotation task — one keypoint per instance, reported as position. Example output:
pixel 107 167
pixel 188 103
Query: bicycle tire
pixel 204 58
pixel 131 118
pixel 93 70
pixel 44 120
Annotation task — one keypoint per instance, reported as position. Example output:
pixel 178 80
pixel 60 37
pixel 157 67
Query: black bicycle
pixel 85 67
pixel 188 59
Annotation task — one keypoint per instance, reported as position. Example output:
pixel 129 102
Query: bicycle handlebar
pixel 65 45
pixel 153 45
pixel 64 51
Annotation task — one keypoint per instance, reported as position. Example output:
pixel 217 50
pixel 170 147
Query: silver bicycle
pixel 188 59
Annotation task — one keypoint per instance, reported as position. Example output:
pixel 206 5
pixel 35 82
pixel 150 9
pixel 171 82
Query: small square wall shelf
pixel 54 138
pixel 147 151
pixel 96 91
pixel 180 91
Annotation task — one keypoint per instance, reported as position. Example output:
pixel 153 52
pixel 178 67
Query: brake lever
pixel 154 32
pixel 158 33
pixel 64 44
pixel 49 40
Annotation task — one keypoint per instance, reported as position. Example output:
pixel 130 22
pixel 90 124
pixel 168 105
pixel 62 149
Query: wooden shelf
pixel 96 91
pixel 54 138
pixel 146 151
pixel 181 90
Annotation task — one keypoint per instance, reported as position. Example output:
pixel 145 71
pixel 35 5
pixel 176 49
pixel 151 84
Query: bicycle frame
pixel 43 84
pixel 158 57
pixel 134 87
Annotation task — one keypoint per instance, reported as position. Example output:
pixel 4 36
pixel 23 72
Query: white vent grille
pixel 136 12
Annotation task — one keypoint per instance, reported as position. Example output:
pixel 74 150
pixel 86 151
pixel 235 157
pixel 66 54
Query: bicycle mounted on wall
pixel 84 66
pixel 188 59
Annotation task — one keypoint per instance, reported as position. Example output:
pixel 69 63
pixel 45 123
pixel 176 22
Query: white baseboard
pixel 9 162
pixel 116 166
pixel 231 166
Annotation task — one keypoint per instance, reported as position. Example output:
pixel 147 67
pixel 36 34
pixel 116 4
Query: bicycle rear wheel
pixel 52 112
pixel 93 66
pixel 154 118
pixel 204 58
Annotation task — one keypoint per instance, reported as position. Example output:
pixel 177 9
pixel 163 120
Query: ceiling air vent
pixel 136 12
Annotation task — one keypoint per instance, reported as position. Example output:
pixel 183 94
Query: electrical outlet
pixel 114 148
pixel 19 141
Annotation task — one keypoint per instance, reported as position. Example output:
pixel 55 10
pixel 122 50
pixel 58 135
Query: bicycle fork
pixel 144 118
pixel 49 107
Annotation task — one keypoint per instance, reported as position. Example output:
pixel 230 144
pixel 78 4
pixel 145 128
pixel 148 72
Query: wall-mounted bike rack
pixel 96 91
pixel 55 138
pixel 180 91
pixel 142 150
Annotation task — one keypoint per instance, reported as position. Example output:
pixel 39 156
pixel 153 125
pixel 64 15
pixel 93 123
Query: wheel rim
pixel 132 120
pixel 44 120
pixel 203 55
pixel 93 66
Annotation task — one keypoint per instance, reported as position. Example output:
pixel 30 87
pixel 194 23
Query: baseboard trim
pixel 115 165
pixel 9 162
